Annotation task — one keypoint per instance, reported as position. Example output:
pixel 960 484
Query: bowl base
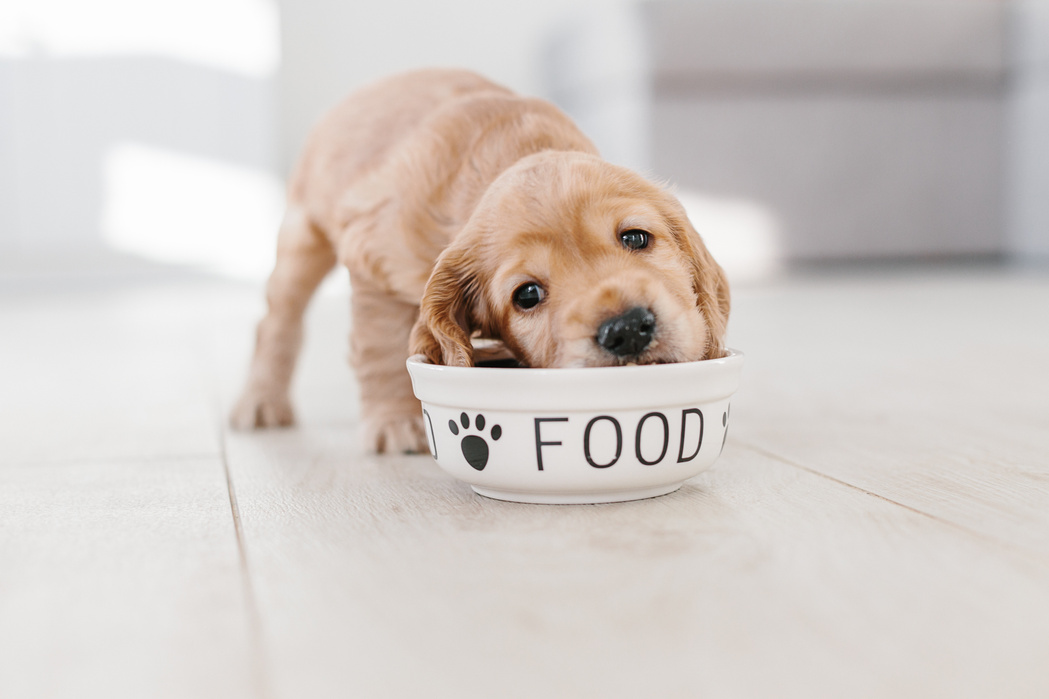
pixel 576 498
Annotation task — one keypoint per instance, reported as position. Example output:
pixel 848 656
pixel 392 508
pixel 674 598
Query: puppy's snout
pixel 627 335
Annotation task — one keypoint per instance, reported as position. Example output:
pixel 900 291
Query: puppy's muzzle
pixel 627 335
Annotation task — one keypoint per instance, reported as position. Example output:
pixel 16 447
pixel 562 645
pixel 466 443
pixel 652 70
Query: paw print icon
pixel 474 447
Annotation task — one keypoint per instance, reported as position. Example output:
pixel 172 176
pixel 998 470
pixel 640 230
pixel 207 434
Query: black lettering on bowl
pixel 724 421
pixel 666 438
pixel 586 441
pixel 431 438
pixel 539 443
pixel 681 458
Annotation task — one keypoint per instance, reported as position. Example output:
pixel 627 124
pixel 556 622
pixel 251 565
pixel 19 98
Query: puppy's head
pixel 571 261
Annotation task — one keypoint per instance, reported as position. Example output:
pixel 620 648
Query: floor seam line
pixel 988 538
pixel 257 658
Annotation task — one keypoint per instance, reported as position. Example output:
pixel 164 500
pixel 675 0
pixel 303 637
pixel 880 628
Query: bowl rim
pixel 578 388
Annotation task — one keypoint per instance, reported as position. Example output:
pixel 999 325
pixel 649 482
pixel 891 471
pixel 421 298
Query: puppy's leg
pixel 304 257
pixel 391 414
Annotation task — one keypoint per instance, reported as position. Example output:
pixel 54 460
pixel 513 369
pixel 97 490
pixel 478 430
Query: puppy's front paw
pixel 259 409
pixel 398 435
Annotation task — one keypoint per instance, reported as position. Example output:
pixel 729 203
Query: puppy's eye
pixel 634 239
pixel 528 295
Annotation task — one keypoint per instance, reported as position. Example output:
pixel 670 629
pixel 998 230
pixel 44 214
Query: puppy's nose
pixel 629 334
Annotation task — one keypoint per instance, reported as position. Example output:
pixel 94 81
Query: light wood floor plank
pixel 121 579
pixel 382 577
pixel 876 527
pixel 930 392
pixel 104 373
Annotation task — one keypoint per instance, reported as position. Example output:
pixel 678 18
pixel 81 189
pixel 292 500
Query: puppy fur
pixel 443 193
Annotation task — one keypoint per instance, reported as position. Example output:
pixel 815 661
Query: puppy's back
pixel 356 137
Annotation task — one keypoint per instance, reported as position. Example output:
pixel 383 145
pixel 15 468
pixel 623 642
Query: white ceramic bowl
pixel 587 435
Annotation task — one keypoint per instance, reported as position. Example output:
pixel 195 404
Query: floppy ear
pixel 708 281
pixel 442 332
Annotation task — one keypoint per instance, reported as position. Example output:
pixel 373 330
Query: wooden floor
pixel 878 525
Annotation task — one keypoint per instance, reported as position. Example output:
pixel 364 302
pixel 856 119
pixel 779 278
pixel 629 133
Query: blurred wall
pixel 876 129
pixel 65 118
pixel 331 47
pixel 1027 176
pixel 133 127
pixel 163 129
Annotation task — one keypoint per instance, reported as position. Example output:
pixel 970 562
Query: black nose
pixel 629 334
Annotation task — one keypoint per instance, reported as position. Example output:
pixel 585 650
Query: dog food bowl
pixel 562 436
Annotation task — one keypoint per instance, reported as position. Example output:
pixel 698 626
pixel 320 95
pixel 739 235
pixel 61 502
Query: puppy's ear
pixel 708 281
pixel 446 313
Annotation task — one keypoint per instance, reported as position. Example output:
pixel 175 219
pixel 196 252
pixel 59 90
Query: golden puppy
pixel 463 210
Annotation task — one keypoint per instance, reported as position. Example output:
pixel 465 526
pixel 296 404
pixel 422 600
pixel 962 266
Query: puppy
pixel 465 211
